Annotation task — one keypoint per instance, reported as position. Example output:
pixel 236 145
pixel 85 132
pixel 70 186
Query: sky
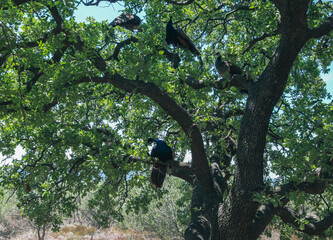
pixel 111 11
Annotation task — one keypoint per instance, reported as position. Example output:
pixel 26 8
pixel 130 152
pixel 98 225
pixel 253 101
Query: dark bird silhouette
pixel 224 67
pixel 163 153
pixel 178 38
pixel 128 21
pixel 28 187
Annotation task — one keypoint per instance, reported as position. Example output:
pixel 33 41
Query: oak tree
pixel 82 99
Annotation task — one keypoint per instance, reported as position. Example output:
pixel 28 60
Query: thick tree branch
pixel 267 211
pixel 199 227
pixel 324 29
pixel 57 17
pixel 180 3
pixel 311 228
pixel 179 169
pixel 16 3
pixel 263 217
pixel 50 105
pixel 263 96
pixel 315 187
pixel 97 2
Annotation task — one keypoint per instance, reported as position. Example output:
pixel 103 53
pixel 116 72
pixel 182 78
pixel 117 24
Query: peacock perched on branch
pixel 178 38
pixel 163 153
pixel 226 67
pixel 128 21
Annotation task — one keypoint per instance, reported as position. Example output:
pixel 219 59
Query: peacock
pixel 128 21
pixel 178 38
pixel 224 67
pixel 163 153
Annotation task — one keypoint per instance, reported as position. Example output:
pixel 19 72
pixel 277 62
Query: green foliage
pixel 77 136
pixel 167 216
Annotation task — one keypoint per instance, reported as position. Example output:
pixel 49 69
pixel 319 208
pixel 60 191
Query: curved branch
pixel 267 211
pixel 121 45
pixel 258 39
pixel 199 159
pixel 311 228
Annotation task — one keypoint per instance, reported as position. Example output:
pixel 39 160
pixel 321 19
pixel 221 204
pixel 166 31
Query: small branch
pixel 35 163
pixel 3 58
pixel 328 206
pixel 241 7
pixel 255 40
pixel 203 31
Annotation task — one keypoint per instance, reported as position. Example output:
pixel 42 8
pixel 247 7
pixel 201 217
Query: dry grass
pixel 12 225
pixel 15 227
pixel 73 232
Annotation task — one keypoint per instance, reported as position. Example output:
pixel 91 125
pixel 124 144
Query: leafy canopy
pixel 83 134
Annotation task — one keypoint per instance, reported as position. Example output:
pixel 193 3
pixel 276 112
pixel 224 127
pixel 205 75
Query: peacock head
pixel 151 140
